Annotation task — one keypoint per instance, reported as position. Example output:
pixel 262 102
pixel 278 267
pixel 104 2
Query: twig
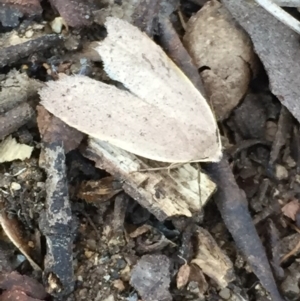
pixel 15 118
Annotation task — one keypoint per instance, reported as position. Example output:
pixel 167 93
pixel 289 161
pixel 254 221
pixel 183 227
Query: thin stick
pixel 280 14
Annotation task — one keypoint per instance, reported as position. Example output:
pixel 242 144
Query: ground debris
pixel 76 13
pixel 56 223
pixel 226 70
pixel 23 286
pixel 251 116
pixel 151 278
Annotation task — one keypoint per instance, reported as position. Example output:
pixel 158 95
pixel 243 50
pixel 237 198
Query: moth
pixel 161 116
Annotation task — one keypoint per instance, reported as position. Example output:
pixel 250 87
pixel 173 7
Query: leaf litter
pixel 105 253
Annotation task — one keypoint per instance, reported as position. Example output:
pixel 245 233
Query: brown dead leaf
pixel 183 276
pixel 212 260
pixel 76 13
pixel 99 191
pixel 53 129
pixel 151 278
pixel 291 209
pixel 215 43
pixel 12 10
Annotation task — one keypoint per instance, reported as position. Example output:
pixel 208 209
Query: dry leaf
pixel 183 276
pixel 212 260
pixel 163 115
pixel 11 150
pixel 291 209
pixel 214 41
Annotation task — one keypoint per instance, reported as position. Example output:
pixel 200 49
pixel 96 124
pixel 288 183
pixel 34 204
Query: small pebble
pixel 15 186
pixel 119 285
pixel 225 293
pixel 29 33
pixel 281 172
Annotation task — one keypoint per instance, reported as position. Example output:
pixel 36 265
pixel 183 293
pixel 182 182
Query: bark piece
pixel 272 41
pixel 17 88
pixel 56 224
pixel 151 278
pixel 211 259
pixel 15 118
pixel 164 193
pixel 229 68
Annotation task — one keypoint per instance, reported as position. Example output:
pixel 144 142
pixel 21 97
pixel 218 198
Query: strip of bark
pixel 56 223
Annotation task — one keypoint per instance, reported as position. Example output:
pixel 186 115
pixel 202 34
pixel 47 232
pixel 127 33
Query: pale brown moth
pixel 162 117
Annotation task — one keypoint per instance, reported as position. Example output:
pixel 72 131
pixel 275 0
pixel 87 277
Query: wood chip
pixel 11 150
pixel 163 193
